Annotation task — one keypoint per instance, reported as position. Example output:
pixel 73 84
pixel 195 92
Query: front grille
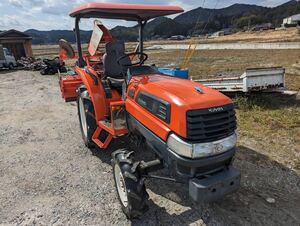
pixel 206 125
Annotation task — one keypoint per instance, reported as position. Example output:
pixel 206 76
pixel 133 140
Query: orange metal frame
pixel 102 105
pixel 112 132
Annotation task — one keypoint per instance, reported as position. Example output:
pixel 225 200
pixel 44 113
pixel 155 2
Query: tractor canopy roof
pixel 131 12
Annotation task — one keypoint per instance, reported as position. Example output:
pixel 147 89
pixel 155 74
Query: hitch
pixel 147 167
pixel 151 166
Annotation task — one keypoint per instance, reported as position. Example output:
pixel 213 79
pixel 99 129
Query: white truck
pixel 7 60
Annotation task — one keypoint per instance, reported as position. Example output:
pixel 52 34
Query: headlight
pixel 177 145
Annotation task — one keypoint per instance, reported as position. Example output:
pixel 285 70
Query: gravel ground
pixel 48 177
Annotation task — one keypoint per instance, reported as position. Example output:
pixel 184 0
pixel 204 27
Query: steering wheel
pixel 143 57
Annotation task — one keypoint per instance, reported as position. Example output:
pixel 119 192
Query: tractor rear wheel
pixel 129 184
pixel 86 115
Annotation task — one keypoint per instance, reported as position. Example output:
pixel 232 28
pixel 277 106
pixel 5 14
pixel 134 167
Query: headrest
pixel 115 46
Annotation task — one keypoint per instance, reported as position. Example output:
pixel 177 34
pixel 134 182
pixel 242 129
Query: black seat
pixel 112 70
pixel 116 83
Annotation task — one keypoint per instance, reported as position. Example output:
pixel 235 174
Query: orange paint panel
pixel 181 94
pixel 97 93
pixel 68 86
pixel 156 125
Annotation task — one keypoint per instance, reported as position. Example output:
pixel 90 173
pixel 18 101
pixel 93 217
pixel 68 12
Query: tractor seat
pixel 116 83
pixel 114 51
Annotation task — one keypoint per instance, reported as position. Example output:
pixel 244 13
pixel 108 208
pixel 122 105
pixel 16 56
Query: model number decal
pixel 212 110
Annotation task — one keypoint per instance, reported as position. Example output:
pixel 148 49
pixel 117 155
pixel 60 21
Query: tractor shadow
pixel 140 153
pixel 105 155
pixel 6 71
pixel 262 179
pixel 263 182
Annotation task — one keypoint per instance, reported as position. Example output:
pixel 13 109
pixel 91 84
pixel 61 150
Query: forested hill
pixel 236 17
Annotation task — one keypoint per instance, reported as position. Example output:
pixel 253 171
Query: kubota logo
pixel 218 148
pixel 212 110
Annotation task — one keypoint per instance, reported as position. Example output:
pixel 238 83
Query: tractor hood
pixel 178 96
pixel 181 92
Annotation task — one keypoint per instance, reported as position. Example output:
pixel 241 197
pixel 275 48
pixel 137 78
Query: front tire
pixel 86 115
pixel 129 184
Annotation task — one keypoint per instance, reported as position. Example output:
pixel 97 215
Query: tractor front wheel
pixel 129 185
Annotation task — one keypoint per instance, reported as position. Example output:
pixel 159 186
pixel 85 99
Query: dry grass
pixel 271 124
pixel 287 35
pixel 209 63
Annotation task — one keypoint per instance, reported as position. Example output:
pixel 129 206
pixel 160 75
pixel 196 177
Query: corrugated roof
pixel 13 34
pixel 296 17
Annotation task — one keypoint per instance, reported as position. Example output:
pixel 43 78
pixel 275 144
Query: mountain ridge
pixel 236 16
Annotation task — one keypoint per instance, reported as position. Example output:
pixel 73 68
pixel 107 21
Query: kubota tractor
pixel 189 127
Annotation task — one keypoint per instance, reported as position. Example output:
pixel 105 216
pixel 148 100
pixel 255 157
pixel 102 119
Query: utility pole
pixel 249 24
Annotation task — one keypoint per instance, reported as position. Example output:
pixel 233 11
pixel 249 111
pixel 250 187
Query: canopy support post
pixel 141 35
pixel 78 41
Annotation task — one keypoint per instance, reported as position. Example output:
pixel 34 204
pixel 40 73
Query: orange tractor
pixel 190 128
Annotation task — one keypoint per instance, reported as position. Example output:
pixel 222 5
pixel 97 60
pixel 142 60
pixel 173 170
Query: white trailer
pixel 255 79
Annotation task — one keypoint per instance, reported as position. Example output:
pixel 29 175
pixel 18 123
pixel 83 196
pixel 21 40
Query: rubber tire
pixel 136 190
pixel 43 72
pixel 90 118
pixel 52 71
pixel 10 66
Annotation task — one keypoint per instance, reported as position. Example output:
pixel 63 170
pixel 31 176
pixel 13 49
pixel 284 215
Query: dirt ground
pixel 48 177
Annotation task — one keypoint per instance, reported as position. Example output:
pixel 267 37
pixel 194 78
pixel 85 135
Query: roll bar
pixel 81 62
pixel 130 12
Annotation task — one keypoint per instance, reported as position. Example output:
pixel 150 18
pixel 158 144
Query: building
pixel 291 21
pixel 263 27
pixel 218 34
pixel 177 37
pixel 225 31
pixel 19 43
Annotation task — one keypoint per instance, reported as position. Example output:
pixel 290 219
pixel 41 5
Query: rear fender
pixel 96 93
pixel 82 91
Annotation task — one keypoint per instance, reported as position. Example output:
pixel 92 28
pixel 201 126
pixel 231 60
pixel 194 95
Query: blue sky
pixel 53 14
